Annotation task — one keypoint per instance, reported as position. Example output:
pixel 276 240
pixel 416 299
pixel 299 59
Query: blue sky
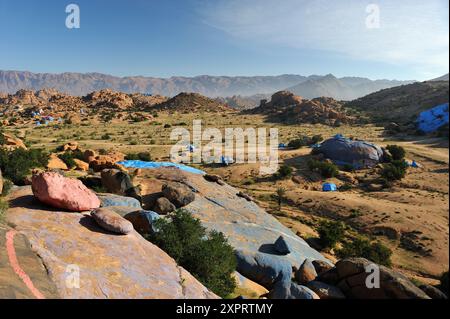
pixel 227 37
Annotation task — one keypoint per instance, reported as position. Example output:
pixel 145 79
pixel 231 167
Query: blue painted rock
pixel 263 268
pixel 117 200
pixel 289 290
pixel 282 246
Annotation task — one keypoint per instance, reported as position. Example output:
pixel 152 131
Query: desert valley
pixel 304 232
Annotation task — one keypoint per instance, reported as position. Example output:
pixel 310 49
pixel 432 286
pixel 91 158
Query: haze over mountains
pixel 345 88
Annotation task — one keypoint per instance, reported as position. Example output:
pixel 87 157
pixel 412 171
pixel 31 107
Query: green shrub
pixel 397 152
pixel 326 169
pixel 284 171
pixel 3 207
pixel 305 141
pixel 17 164
pixel 361 247
pixel 7 185
pixel 68 159
pixel 394 171
pixel 330 233
pixel 207 256
pixel 167 126
pixel 106 136
pixel 143 156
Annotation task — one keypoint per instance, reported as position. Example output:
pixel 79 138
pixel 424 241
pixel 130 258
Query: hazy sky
pixel 410 40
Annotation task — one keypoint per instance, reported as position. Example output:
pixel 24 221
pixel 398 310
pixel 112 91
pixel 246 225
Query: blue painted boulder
pixel 263 268
pixel 117 200
pixel 290 290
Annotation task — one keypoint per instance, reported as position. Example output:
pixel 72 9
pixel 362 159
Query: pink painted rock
pixel 64 193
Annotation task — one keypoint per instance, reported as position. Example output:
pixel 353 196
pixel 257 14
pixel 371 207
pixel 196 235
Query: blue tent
pixel 281 145
pixel 226 160
pixel 432 119
pixel 329 187
pixel 144 164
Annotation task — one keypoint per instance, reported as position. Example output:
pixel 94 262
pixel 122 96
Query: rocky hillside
pixel 191 103
pixel 26 105
pixel 212 86
pixel 288 108
pixel 402 104
pixel 346 88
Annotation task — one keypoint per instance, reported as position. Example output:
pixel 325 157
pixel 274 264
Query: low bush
pixel 326 169
pixel 68 159
pixel 167 126
pixel 3 207
pixel 305 141
pixel 207 256
pixel 7 185
pixel 330 233
pixel 396 170
pixel 362 247
pixel 397 152
pixel 142 156
pixel 17 164
pixel 284 171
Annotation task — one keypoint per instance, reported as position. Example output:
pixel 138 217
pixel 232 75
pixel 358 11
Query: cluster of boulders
pixel 354 278
pixel 11 142
pixel 287 107
pixel 87 159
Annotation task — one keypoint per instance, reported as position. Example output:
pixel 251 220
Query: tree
pixel 207 256
pixel 281 191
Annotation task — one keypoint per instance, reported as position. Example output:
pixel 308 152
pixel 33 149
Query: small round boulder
pixel 111 221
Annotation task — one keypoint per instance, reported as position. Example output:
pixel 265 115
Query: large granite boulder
pixel 178 194
pixel 351 274
pixel 325 291
pixel 116 181
pixel 60 192
pixel 22 273
pixel 262 268
pixel 290 290
pixel 109 266
pixel 246 225
pixel 107 200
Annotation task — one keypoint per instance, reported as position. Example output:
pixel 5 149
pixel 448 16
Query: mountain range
pixel 79 84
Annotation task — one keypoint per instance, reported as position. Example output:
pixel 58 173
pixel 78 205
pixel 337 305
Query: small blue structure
pixel 38 123
pixel 191 148
pixel 281 145
pixel 226 160
pixel 414 164
pixel 329 187
pixel 432 119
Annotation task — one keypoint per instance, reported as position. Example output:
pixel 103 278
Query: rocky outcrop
pixel 289 108
pixel 11 142
pixel 109 266
pixel 178 194
pixel 60 192
pixel 350 275
pixel 248 227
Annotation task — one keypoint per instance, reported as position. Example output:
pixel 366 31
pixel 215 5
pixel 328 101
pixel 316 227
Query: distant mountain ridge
pixel 212 86
pixel 346 88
